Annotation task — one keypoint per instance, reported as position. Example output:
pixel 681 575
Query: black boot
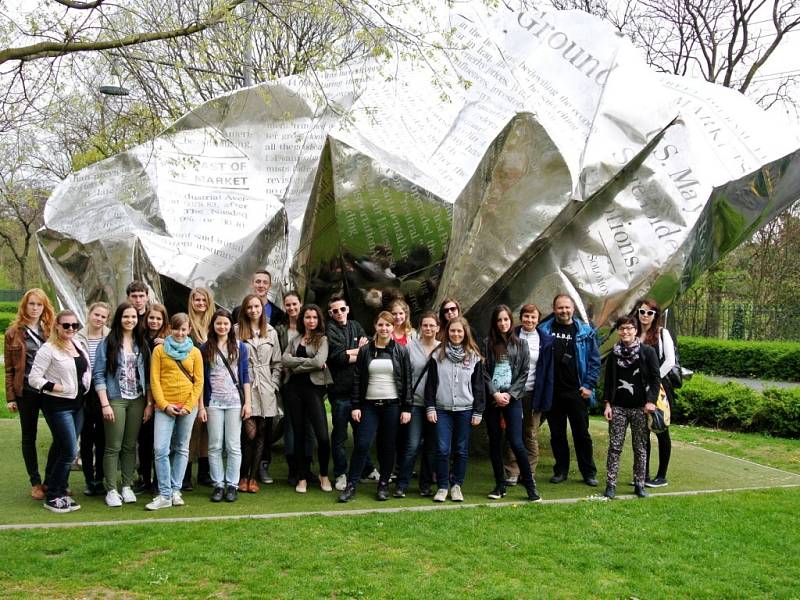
pixel 263 472
pixel 348 494
pixel 640 491
pixel 611 491
pixel 187 479
pixel 203 473
pixel 383 491
pixel 533 495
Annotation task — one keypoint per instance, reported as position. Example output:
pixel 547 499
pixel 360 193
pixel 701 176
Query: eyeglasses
pixel 67 326
pixel 645 312
pixel 448 309
pixel 336 311
pixel 627 328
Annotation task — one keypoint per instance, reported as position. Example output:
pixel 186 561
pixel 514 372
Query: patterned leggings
pixel 616 439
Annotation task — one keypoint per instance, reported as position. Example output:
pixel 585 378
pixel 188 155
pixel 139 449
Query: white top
pixel 381 384
pixel 533 349
pixel 666 352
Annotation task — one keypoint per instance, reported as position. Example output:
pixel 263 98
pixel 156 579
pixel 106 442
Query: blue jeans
pixel 225 424
pixel 452 433
pixel 512 415
pixel 420 432
pixel 65 425
pixel 380 420
pixel 340 418
pixel 171 434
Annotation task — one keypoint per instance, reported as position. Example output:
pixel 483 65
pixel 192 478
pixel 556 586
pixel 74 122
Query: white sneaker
pixel 128 497
pixel 177 499
pixel 113 499
pixel 373 476
pixel 440 496
pixel 73 505
pixel 158 503
pixel 341 482
pixel 455 493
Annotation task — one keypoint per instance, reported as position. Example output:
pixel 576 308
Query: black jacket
pixel 401 364
pixel 340 340
pixel 651 377
pixel 519 359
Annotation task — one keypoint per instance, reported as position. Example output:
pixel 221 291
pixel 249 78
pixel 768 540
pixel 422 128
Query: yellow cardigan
pixel 170 385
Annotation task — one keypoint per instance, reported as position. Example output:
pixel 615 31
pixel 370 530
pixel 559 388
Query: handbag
pixel 658 420
pixel 677 373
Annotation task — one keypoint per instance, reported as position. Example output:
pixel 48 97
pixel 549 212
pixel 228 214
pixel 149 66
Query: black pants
pixel 306 405
pixel 28 407
pixel 382 421
pixel 572 407
pixel 93 440
pixel 664 453
pixel 146 455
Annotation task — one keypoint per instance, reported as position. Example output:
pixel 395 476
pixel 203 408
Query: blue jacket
pixel 541 399
pixel 587 353
pixel 106 381
pixel 242 371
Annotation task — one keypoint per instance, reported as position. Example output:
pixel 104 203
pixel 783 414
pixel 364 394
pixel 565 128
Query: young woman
pixel 201 308
pixel 402 331
pixel 454 399
pixel 176 381
pixel 448 309
pixel 156 331
pixel 420 431
pixel 631 389
pixel 23 338
pixel 264 365
pixel 93 437
pixel 507 363
pixel 61 373
pixel 120 379
pixel 538 393
pixel 653 334
pixel 381 400
pixel 226 397
pixel 305 358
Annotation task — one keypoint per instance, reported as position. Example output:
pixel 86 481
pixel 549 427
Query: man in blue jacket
pixel 576 370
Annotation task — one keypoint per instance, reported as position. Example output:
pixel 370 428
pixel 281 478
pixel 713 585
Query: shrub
pixel 5 320
pixel 9 307
pixel 733 358
pixel 779 413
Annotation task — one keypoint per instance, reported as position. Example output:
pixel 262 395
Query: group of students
pixel 210 383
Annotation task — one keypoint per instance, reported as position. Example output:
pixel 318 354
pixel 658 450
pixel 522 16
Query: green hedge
pixel 5 320
pixel 734 406
pixel 9 307
pixel 734 358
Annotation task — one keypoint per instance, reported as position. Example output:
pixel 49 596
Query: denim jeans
pixel 171 435
pixel 421 432
pixel 225 424
pixel 65 425
pixel 121 435
pixel 28 407
pixel 512 415
pixel 452 433
pixel 380 420
pixel 340 418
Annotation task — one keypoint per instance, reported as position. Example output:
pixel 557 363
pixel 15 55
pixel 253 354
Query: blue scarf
pixel 175 350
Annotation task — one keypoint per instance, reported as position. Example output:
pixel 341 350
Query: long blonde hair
pixel 406 326
pixel 198 323
pixel 54 339
pixel 47 319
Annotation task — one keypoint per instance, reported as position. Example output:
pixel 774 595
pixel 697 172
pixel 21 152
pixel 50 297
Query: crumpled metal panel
pixel 542 157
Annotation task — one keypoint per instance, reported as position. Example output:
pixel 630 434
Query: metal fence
pixel 11 295
pixel 737 321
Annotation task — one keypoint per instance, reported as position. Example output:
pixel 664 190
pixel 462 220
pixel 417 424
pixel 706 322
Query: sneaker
pixel 533 495
pixel 440 495
pixel 113 499
pixel 511 480
pixel 218 494
pixel 383 491
pixel 640 491
pixel 656 483
pixel 558 478
pixel 159 502
pixel 73 505
pixel 177 499
pixel 128 497
pixel 57 505
pixel 399 492
pixel 341 482
pixel 373 476
pixel 426 491
pixel 231 494
pixel 455 493
pixel 348 494
pixel 497 493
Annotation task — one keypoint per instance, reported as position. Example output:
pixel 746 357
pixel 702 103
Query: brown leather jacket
pixel 15 363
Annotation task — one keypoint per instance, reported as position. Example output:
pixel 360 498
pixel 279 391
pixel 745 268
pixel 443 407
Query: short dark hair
pixel 627 320
pixel 562 295
pixel 337 298
pixel 136 286
pixel 263 272
pixel 530 308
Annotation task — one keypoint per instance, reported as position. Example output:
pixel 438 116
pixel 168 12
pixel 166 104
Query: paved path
pixel 756 384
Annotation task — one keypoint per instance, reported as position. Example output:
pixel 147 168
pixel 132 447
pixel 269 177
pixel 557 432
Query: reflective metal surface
pixel 541 157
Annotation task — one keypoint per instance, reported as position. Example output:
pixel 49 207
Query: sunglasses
pixel 336 311
pixel 448 309
pixel 645 312
pixel 67 326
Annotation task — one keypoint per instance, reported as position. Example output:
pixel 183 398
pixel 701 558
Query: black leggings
pixel 28 407
pixel 306 405
pixel 256 445
pixel 664 452
pixel 93 440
